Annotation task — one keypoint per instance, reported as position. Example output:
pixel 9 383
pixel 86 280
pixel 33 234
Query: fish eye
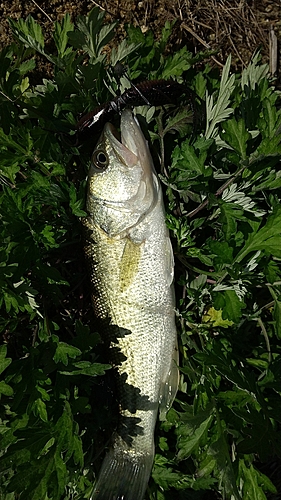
pixel 100 159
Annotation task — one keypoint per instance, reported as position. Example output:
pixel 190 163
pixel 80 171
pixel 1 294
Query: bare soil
pixel 239 27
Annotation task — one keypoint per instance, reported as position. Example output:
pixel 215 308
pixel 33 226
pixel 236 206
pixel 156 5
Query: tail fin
pixel 123 476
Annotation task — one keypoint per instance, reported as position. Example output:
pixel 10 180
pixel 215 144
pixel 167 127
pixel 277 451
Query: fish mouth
pixel 131 135
pixel 129 145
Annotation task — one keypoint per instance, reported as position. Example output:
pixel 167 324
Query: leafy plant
pixel 222 181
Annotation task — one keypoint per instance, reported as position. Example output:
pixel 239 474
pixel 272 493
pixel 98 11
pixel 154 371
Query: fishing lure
pixel 151 93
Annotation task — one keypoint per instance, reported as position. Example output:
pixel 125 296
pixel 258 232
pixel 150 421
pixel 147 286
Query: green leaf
pixel 192 431
pixel 258 363
pixel 78 454
pixel 219 451
pixel 230 304
pixel 229 219
pixel 61 35
pixel 219 111
pixel 61 473
pixel 92 35
pixel 223 252
pixel 165 34
pixel 65 351
pixel 266 239
pixel 254 73
pixel 176 64
pixel 6 389
pixel 48 235
pixel 270 146
pixel 87 368
pixel 28 32
pixel 64 430
pixel 75 204
pixel 236 135
pixel 206 466
pixel 4 362
pixel 200 85
pixel 163 474
pixel 273 120
pixel 123 50
pixel 190 161
pixel 252 482
pixel 39 408
pixel 27 66
pixel 178 122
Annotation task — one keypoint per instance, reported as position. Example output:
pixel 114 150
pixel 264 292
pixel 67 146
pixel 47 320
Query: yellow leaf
pixel 214 317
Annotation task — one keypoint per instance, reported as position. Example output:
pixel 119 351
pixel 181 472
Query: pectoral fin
pixel 129 263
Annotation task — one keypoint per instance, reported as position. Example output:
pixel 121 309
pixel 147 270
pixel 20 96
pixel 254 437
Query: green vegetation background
pixel 221 177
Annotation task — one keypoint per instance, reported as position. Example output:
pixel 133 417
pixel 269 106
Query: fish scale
pixel 131 261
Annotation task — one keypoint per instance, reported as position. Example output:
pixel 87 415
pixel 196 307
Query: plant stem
pixel 264 332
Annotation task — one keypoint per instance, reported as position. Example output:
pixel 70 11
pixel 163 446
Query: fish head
pixel 122 185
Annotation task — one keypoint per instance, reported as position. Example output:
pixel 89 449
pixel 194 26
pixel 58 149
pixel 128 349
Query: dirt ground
pixel 238 27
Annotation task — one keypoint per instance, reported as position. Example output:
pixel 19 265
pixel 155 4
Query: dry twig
pixel 45 13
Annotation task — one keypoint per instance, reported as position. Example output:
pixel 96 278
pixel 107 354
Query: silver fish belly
pixel 131 261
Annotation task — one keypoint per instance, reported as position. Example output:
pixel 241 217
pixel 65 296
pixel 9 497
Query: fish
pixel 131 264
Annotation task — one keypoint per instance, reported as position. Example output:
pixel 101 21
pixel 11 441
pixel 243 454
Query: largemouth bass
pixel 132 268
